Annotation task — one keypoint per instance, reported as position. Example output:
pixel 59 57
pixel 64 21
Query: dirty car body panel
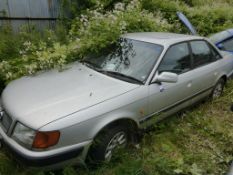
pixel 76 104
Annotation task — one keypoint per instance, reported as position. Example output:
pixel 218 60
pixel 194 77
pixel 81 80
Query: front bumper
pixel 46 158
pixel 44 161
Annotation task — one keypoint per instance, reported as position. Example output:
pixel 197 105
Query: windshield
pixel 219 36
pixel 127 59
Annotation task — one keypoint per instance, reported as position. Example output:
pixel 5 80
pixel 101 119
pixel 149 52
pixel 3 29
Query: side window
pixel 201 53
pixel 215 55
pixel 228 45
pixel 176 60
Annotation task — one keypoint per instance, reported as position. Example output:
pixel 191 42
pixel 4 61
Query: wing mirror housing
pixel 167 77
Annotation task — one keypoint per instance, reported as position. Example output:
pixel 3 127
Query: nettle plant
pixel 90 33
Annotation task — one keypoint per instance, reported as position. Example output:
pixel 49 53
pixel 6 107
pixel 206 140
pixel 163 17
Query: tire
pixel 107 143
pixel 218 89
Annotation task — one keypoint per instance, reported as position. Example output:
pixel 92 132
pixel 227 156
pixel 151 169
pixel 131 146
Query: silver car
pixel 97 105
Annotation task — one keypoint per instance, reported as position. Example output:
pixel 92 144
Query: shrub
pixel 90 33
pixel 9 45
pixel 211 18
pixel 207 16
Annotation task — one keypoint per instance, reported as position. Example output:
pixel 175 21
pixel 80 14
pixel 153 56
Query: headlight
pixel 23 135
pixel 35 139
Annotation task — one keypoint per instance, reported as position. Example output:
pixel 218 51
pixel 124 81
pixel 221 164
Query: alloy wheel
pixel 119 140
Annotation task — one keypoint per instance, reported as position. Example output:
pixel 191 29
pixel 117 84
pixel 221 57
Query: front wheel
pixel 107 143
pixel 218 89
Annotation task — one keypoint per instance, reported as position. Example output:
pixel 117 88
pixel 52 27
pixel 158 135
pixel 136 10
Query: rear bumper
pixel 50 158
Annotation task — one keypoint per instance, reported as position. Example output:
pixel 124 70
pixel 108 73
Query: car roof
pixel 160 37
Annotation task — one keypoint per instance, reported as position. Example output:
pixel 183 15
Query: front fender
pixel 87 130
pixel 111 119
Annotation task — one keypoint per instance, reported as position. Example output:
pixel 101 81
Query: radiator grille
pixel 5 121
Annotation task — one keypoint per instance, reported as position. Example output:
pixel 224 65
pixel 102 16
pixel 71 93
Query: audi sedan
pixel 99 104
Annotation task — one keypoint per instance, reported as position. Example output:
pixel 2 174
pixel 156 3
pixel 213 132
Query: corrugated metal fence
pixel 39 13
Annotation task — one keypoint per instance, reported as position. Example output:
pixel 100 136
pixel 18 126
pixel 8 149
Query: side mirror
pixel 167 77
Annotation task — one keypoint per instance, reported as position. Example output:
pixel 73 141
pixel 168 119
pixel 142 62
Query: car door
pixel 205 68
pixel 165 98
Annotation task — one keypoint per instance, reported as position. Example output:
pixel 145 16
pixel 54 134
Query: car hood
pixel 186 23
pixel 41 99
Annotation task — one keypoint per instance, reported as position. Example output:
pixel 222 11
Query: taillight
pixel 46 139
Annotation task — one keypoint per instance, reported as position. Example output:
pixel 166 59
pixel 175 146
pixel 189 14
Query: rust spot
pixel 142 112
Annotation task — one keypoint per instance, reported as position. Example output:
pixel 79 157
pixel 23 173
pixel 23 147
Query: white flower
pixel 9 75
pixel 113 17
pixel 123 25
pixel 27 43
pixel 133 4
pixel 83 18
pixel 119 6
pixel 21 52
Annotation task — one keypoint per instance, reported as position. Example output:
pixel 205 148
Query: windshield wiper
pixel 111 73
pixel 122 76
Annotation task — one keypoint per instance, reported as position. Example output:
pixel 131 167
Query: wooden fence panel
pixel 40 13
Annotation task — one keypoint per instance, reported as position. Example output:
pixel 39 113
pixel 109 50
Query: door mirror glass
pixel 167 77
